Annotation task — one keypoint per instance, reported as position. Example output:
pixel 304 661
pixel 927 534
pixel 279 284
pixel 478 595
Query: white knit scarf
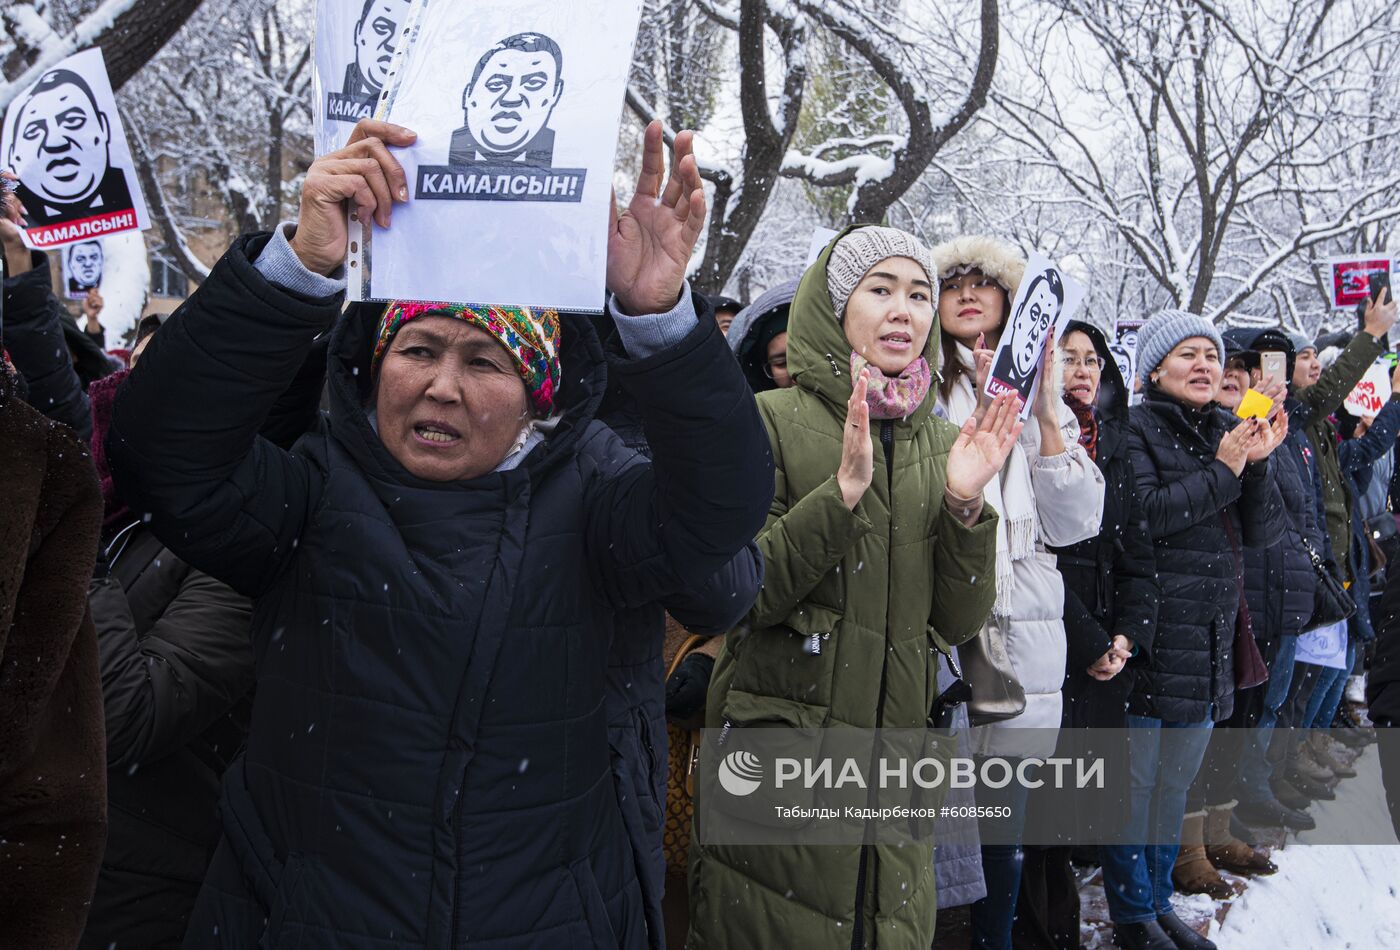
pixel 1010 494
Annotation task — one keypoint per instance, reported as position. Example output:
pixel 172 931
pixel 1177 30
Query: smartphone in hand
pixel 1274 366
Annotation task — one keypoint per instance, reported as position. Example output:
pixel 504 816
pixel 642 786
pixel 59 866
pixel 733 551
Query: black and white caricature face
pixel 85 264
pixel 513 92
pixel 375 35
pixel 59 142
pixel 1030 324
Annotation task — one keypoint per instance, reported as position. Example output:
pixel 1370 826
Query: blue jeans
pixel 1255 768
pixel 1327 695
pixel 1163 759
pixel 993 915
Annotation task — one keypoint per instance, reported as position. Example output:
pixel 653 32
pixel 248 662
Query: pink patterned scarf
pixel 894 397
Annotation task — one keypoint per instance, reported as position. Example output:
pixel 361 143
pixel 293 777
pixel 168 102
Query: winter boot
pixel 1193 872
pixel 1303 763
pixel 1146 936
pixel 1288 796
pixel 1314 790
pixel 1273 813
pixel 1182 935
pixel 1323 755
pixel 1229 853
pixel 1355 690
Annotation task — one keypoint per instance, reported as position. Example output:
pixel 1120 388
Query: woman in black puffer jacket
pixel 1206 489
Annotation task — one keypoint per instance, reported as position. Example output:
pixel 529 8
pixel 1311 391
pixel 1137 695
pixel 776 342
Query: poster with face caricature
pixel 517 107
pixel 355 45
pixel 82 268
pixel 63 137
pixel 1047 297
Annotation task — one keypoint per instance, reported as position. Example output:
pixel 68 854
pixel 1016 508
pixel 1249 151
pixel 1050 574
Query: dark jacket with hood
pixel 428 762
pixel 1110 580
pixel 754 328
pixel 1279 581
pixel 1317 404
pixel 36 341
pixel 1356 458
pixel 1197 512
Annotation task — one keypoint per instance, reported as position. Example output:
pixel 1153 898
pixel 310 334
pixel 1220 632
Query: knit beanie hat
pixel 531 338
pixel 1300 343
pixel 863 248
pixel 1165 330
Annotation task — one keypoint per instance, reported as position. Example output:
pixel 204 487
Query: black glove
pixel 685 690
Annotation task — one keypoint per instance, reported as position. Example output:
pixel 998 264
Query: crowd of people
pixel 365 626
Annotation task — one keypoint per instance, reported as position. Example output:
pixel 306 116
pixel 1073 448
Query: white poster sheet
pixel 1325 646
pixel 517 107
pixel 82 268
pixel 1370 395
pixel 1047 297
pixel 1126 361
pixel 355 45
pixel 1349 277
pixel 821 237
pixel 63 137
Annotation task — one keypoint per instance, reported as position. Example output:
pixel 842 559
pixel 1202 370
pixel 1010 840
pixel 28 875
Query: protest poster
pixel 1325 646
pixel 63 138
pixel 355 45
pixel 1046 297
pixel 1350 277
pixel 1126 361
pixel 517 108
pixel 1370 395
pixel 82 268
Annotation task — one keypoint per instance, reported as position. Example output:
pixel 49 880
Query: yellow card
pixel 1254 405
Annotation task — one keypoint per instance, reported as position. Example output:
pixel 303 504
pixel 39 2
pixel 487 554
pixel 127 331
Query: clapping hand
pixel 1271 436
pixel 650 242
pixel 981 448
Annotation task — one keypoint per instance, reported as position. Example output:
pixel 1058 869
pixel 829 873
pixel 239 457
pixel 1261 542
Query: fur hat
pixel 863 248
pixel 1165 331
pixel 996 259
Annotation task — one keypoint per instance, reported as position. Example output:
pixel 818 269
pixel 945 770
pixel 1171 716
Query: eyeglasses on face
pixel 1093 364
pixel 776 365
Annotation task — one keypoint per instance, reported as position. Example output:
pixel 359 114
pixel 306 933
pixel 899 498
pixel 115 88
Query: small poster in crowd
pixel 63 138
pixel 517 107
pixel 1325 646
pixel 1350 277
pixel 1370 395
pixel 82 268
pixel 355 45
pixel 821 237
pixel 1047 296
pixel 1124 359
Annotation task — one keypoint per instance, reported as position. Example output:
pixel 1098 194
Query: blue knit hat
pixel 1165 330
pixel 1301 342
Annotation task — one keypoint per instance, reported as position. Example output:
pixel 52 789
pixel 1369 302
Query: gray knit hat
pixel 1300 343
pixel 863 248
pixel 1165 330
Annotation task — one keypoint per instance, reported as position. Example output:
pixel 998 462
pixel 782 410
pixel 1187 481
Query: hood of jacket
pixel 818 353
pixel 751 325
pixel 1113 392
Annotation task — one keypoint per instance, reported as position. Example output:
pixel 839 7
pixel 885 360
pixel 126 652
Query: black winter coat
pixel 1189 497
pixel 176 656
pixel 428 760
pixel 34 338
pixel 1110 580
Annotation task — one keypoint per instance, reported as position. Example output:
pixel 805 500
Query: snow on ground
pixel 1327 895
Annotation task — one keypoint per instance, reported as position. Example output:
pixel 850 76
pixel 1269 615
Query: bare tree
pixel 878 168
pixel 1208 139
pixel 38 34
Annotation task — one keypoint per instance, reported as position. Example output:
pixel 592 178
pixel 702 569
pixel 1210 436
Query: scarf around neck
pixel 1009 494
pixel 894 397
pixel 1088 426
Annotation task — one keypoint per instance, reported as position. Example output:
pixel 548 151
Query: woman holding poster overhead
pixel 879 552
pixel 1049 492
pixel 436 568
pixel 1206 485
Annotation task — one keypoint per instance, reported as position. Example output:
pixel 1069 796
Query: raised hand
pixel 982 366
pixel 1380 314
pixel 650 242
pixel 1275 390
pixel 1047 401
pixel 92 308
pixel 18 260
pixel 362 173
pixel 982 446
pixel 857 467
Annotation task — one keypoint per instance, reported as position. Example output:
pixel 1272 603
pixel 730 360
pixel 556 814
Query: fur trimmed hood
pixel 997 259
